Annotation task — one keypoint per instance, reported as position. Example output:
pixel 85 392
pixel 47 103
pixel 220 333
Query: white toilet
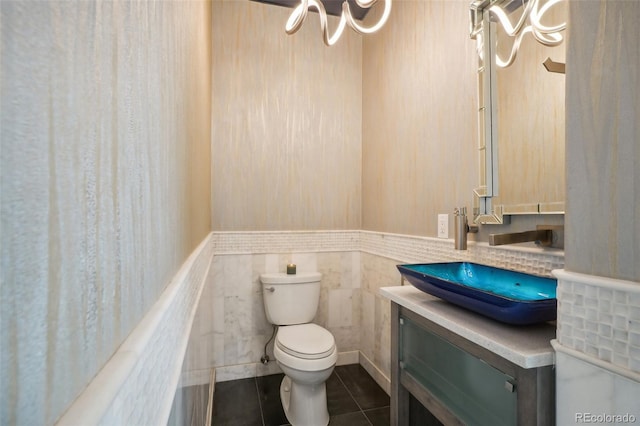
pixel 306 352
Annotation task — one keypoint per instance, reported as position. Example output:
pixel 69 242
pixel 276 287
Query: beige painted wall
pixel 419 120
pixel 286 123
pixel 531 120
pixel 603 139
pixel 381 139
pixel 105 185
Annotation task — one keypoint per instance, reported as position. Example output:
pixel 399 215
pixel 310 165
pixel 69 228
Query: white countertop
pixel 527 346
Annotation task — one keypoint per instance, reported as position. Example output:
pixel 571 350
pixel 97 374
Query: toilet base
pixel 304 405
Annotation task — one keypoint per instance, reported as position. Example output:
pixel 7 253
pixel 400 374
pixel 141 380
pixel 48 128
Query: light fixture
pixel 297 17
pixel 532 12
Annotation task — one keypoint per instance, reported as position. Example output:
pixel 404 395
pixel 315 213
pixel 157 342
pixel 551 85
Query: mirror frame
pixel 484 210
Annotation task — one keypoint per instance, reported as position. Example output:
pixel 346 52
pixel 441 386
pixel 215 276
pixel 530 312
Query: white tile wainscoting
pixel 597 349
pixel 230 328
pixel 137 385
pixel 600 317
pixel 591 391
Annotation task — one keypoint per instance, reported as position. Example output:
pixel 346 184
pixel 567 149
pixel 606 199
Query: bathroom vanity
pixel 467 369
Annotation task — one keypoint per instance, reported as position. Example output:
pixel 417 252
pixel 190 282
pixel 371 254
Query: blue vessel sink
pixel 507 296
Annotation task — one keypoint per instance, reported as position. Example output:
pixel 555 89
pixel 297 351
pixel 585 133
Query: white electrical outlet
pixel 443 225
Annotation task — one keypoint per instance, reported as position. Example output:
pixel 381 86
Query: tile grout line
pixel 352 397
pixel 212 389
pixel 359 409
pixel 255 381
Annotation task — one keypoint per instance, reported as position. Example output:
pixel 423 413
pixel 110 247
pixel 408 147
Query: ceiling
pixel 333 7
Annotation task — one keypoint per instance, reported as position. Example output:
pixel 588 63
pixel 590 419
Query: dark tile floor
pixel 353 399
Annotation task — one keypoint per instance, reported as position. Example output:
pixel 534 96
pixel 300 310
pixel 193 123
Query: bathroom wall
pixel 418 159
pixel 286 155
pixel 531 118
pixel 598 347
pixel 602 139
pixel 381 252
pixel 419 128
pixel 287 117
pixel 290 171
pixel 104 182
pixel 230 328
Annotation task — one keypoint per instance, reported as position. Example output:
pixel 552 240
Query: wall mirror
pixel 520 110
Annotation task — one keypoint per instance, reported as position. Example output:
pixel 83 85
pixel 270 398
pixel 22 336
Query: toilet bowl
pixel 307 355
pixel 305 352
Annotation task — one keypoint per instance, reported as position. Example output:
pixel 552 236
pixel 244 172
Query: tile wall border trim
pixel 404 248
pixel 418 249
pixel 599 321
pixel 226 373
pixel 378 375
pixel 262 242
pixel 596 281
pixel 128 388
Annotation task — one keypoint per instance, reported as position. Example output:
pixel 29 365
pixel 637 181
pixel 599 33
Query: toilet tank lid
pixel 282 278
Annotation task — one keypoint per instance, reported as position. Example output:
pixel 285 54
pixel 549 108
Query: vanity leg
pixel 399 395
pixel 536 397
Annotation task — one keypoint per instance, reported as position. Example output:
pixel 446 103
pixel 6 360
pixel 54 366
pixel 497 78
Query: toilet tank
pixel 291 299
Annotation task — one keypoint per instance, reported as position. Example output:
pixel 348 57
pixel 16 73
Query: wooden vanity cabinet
pixel 460 382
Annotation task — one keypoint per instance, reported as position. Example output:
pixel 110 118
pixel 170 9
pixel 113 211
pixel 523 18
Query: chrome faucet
pixel 462 228
pixel 542 236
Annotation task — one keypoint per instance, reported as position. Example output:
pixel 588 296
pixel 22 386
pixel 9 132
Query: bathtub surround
pixel 230 328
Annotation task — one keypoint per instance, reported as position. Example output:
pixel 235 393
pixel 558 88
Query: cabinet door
pixel 474 391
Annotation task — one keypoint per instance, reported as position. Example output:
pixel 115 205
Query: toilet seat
pixel 307 341
pixel 305 347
